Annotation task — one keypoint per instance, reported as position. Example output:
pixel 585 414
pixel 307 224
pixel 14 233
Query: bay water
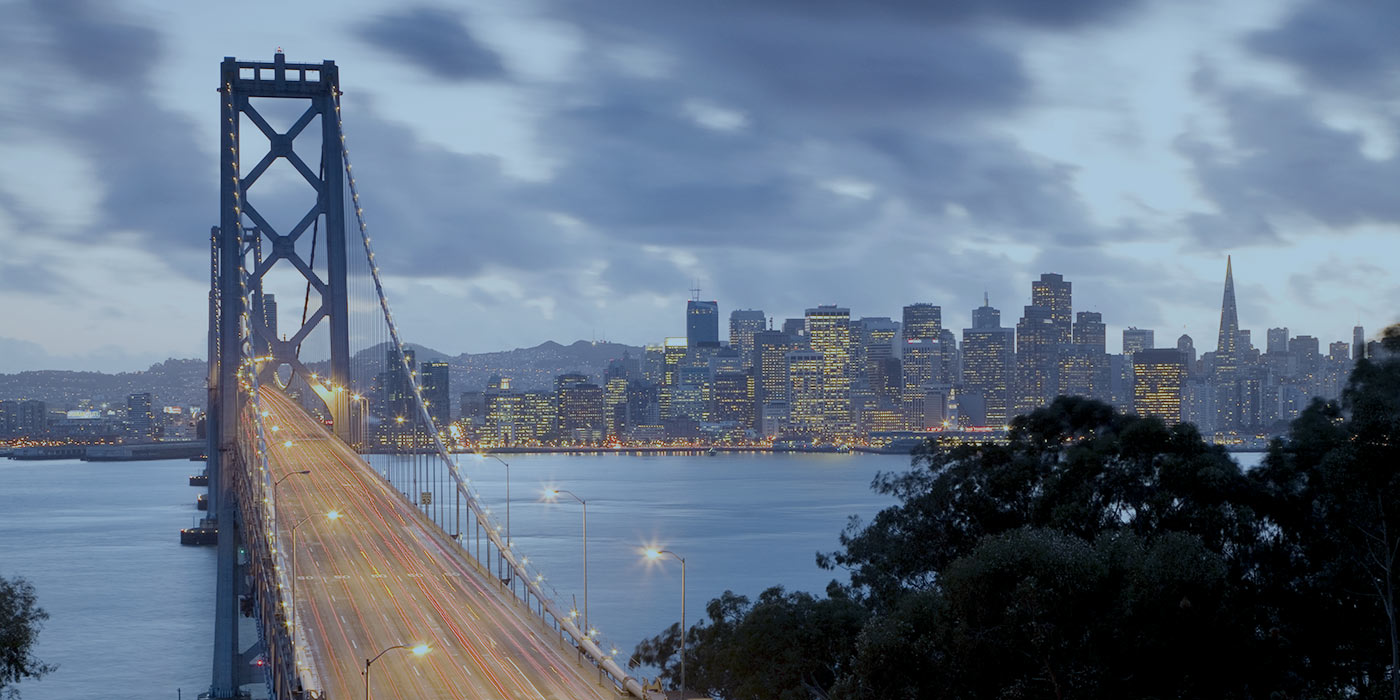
pixel 131 610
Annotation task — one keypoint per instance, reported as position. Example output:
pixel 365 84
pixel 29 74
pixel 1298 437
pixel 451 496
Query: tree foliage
pixel 20 619
pixel 1099 555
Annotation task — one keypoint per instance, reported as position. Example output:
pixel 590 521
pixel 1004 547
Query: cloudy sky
pixel 537 170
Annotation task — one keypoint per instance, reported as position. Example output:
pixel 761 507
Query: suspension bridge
pixel 390 578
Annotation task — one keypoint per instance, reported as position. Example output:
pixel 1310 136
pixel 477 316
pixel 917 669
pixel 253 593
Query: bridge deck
pixel 383 574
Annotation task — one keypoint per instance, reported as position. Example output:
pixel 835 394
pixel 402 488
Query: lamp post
pixel 277 483
pixel 554 493
pixel 419 650
pixel 655 554
pixel 333 515
pixel 483 456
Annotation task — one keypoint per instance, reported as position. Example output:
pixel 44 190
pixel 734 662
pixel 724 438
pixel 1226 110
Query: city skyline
pixel 609 161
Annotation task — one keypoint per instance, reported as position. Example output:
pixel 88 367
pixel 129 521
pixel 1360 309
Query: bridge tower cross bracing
pixel 238 244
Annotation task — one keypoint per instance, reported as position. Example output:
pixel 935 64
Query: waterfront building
pixel 770 349
pixel 582 418
pixel 674 350
pixel 829 328
pixel 734 398
pixel 1159 381
pixel 140 418
pixel 805 392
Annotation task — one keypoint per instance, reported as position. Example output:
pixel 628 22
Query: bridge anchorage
pixel 290 415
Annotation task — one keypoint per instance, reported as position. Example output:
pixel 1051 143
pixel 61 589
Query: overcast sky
pixel 537 170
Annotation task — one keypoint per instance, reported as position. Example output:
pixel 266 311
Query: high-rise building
pixel 949 360
pixel 702 323
pixel 582 417
pixel 1226 372
pixel 743 323
pixel 770 349
pixel 1358 343
pixel 795 327
pixel 805 390
pixel 433 380
pixel 1188 351
pixel 674 352
pixel 1052 292
pixel 1089 330
pixel 1159 382
pixel 140 418
pixel 734 398
pixel 986 316
pixel 1037 349
pixel 873 351
pixel 988 354
pixel 1277 340
pixel 922 322
pixel 1135 339
pixel 829 328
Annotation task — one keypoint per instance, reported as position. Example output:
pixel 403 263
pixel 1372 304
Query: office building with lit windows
pixel 1159 383
pixel 829 331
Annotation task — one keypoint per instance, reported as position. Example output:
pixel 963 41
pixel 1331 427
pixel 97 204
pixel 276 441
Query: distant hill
pixel 181 382
pixel 536 368
pixel 174 383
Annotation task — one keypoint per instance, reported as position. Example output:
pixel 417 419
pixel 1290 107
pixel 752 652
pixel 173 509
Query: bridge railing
pixel 549 601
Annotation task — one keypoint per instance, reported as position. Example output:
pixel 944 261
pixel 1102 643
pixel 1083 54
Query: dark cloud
pixel 440 212
pixel 435 40
pixel 1338 44
pixel 1283 164
pixel 142 154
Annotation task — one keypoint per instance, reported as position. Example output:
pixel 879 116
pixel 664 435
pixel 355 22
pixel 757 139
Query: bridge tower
pixel 247 246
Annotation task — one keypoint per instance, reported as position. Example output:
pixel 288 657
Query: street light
pixel 654 554
pixel 553 494
pixel 483 456
pixel 292 612
pixel 419 650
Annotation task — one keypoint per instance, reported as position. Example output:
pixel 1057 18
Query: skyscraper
pixel 922 322
pixel 140 417
pixel 743 323
pixel 985 316
pixel 1089 330
pixel 1276 340
pixel 1053 292
pixel 436 393
pixel 1159 380
pixel 1135 339
pixel 805 390
pixel 1036 355
pixel 701 323
pixel 1225 375
pixel 829 328
pixel 1358 343
pixel 770 349
pixel 988 364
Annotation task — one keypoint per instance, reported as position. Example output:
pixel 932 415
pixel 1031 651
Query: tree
pixel 20 619
pixel 784 646
pixel 1333 501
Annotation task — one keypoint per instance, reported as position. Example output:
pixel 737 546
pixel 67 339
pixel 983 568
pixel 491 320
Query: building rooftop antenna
pixel 695 291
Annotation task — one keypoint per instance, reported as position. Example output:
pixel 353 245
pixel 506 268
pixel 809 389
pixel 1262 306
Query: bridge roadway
pixel 383 574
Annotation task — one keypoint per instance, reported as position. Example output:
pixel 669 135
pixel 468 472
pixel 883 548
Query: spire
pixel 1229 318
